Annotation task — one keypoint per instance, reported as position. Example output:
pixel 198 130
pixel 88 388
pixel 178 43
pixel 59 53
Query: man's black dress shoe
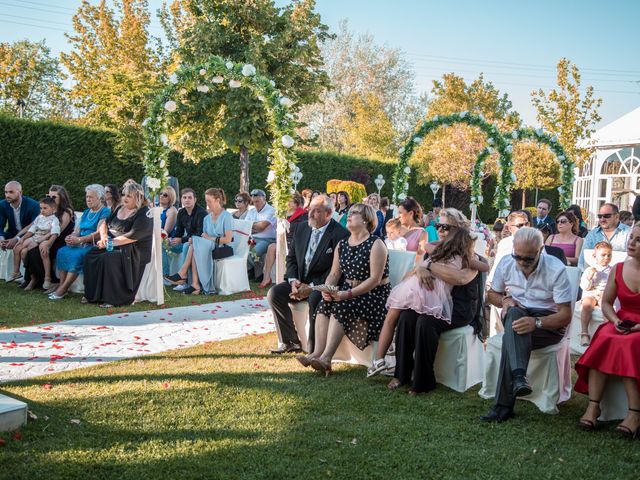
pixel 521 387
pixel 498 414
pixel 288 348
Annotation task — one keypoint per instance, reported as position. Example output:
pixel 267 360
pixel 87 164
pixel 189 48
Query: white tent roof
pixel 623 131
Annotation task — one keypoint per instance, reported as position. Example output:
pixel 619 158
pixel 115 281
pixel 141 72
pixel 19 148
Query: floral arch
pixel 189 108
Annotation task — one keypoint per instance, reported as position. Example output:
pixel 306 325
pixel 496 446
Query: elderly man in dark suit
pixel 543 217
pixel 308 263
pixel 16 213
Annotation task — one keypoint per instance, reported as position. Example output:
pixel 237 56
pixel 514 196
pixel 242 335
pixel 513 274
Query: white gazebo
pixel 613 167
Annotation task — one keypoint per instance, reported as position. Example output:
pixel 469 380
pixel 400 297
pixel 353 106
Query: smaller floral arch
pixel 199 81
pixel 496 142
pixel 567 167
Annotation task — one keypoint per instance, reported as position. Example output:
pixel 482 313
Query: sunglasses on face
pixel 164 194
pixel 519 225
pixel 518 258
pixel 239 200
pixel 444 227
pixel 563 221
pixel 604 215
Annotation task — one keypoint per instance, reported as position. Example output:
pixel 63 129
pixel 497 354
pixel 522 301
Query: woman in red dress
pixel 615 348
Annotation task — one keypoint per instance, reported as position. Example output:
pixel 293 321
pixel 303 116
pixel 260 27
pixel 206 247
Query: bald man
pixel 17 212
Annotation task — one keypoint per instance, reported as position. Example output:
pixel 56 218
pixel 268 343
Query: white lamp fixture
pixel 434 187
pixel 379 181
pixel 296 176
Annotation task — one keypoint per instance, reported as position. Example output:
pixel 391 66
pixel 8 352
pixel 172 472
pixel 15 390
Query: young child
pixel 593 281
pixel 395 240
pixel 43 228
pixel 409 294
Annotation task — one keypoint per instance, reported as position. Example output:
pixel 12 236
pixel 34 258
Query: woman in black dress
pixel 34 267
pixel 113 277
pixel 357 309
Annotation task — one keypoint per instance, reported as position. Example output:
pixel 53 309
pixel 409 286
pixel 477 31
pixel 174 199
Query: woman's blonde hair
pixel 368 215
pixel 456 216
pixel 217 193
pixel 171 193
pixel 135 189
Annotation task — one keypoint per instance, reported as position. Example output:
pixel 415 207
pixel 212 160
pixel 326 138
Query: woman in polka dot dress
pixel 357 309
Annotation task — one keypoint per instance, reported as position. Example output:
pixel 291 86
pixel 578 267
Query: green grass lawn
pixel 19 308
pixel 228 410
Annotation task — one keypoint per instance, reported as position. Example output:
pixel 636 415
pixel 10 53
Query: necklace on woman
pixel 91 215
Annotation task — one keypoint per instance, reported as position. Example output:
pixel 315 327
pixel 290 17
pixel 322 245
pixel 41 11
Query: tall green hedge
pixel 39 154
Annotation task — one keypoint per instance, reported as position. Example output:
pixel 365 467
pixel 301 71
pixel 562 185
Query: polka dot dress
pixel 362 316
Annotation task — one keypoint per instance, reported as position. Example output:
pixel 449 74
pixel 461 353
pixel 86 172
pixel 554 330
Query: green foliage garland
pixel 496 142
pixel 567 166
pixel 187 115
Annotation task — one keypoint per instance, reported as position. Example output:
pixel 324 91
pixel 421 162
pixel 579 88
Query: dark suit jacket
pixel 322 260
pixel 29 210
pixel 547 221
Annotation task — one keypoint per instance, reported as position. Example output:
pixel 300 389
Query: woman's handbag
pixel 221 251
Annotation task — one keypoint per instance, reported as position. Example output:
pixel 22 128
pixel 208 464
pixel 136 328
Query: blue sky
pixel 515 44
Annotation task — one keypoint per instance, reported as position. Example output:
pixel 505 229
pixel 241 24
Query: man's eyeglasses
pixel 518 258
pixel 604 215
pixel 444 227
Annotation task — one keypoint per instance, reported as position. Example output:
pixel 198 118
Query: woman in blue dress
pixel 217 230
pixel 70 257
pixel 168 225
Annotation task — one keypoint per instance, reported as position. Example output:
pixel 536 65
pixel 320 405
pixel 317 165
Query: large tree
pixel 359 69
pixel 282 43
pixel 114 68
pixel 567 113
pixel 535 166
pixel 31 81
pixel 449 154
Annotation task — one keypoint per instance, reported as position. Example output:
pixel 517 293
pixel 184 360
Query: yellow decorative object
pixel 356 190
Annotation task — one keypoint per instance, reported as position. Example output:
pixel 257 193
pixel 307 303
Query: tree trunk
pixel 444 188
pixel 524 198
pixel 244 169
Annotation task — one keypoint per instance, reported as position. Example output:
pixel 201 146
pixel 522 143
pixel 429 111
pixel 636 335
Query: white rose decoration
pixel 248 70
pixel 287 141
pixel 271 176
pixel 163 163
pixel 509 149
pixel 153 183
pixel 490 150
pixel 286 101
pixel 146 122
pixel 417 140
pixel 217 79
pixel 539 132
pixel 164 139
pixel 561 158
pixel 235 83
pixel 402 196
pixel 202 88
pixel 490 141
pixel 171 106
pixel 272 83
pixel 406 186
pixel 463 114
pixel 514 134
pixel 401 150
pixel 513 177
pixel 183 91
pixel 560 190
pixel 173 78
pixel 480 199
pixel 229 65
pixel 407 170
pixel 203 72
pixel 554 139
pixel 435 119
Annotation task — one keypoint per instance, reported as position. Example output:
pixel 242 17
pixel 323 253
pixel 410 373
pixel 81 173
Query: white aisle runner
pixel 55 347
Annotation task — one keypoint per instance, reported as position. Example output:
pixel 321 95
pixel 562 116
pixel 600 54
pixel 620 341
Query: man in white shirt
pixel 534 292
pixel 264 221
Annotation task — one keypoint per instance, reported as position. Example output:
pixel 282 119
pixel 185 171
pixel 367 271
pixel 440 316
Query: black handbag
pixel 221 251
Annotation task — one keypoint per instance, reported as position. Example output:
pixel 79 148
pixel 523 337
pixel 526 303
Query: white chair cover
pixel 151 287
pixel 231 273
pixel 616 257
pixel 575 328
pixel 549 373
pixel 6 264
pixel 399 264
pixel 459 359
pixel 614 403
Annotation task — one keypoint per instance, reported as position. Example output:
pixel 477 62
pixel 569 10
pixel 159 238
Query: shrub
pixel 355 190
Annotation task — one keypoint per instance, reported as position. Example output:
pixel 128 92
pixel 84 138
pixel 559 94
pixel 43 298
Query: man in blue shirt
pixel 16 214
pixel 609 229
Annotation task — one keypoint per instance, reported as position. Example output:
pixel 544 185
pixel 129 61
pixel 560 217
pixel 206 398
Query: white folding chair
pixel 231 272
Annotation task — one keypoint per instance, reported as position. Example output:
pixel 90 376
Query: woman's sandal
pixel 191 291
pixel 582 342
pixel 590 425
pixel 394 384
pixel 84 300
pixel 304 360
pixel 14 277
pixel 319 365
pixel 106 305
pixel 626 431
pixel 176 279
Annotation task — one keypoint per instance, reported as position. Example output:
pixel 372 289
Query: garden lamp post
pixel 296 176
pixel 434 188
pixel 379 181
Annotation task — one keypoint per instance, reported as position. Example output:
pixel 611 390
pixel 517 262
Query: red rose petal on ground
pixel 3 442
pixel 166 385
pixel 47 386
pixel 17 436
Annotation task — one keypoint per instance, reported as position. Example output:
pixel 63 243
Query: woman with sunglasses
pixel 242 202
pixel 111 196
pixel 567 237
pixel 455 249
pixel 515 221
pixel 33 264
pixel 168 217
pixel 356 307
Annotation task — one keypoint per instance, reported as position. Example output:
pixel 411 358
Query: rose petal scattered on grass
pixel 32 415
pixel 74 421
pixel 3 442
pixel 17 436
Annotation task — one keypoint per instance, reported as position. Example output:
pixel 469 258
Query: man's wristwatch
pixel 538 322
